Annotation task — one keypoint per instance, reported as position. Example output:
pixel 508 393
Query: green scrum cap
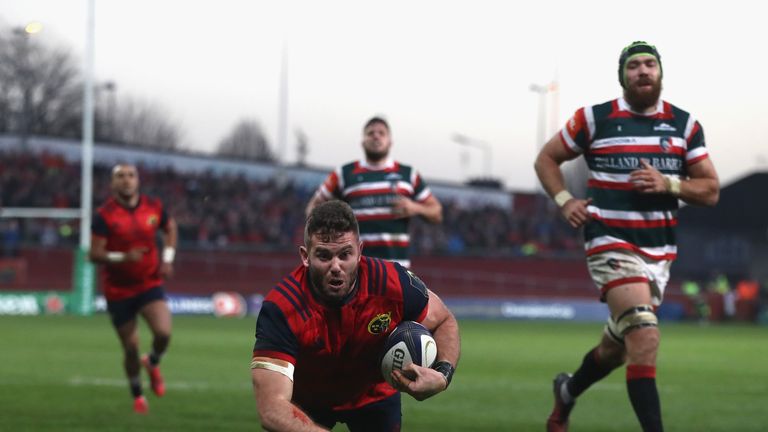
pixel 635 49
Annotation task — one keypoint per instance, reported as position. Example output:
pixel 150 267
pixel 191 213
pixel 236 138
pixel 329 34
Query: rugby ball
pixel 410 342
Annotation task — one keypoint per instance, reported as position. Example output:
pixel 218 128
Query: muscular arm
pixel 273 392
pixel 430 209
pixel 421 382
pixel 171 233
pixel 98 252
pixel 702 186
pixel 547 166
pixel 445 329
pixel 170 236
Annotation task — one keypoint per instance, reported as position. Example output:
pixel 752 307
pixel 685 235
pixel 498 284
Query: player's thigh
pixel 128 334
pixel 382 416
pixel 624 297
pixel 156 312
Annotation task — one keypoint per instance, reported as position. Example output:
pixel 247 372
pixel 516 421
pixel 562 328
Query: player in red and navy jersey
pixel 124 240
pixel 644 154
pixel 321 330
pixel 384 194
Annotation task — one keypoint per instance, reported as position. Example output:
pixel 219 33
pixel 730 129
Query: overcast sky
pixel 433 68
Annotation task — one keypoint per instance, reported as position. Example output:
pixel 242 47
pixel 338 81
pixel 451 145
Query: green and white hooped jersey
pixel 371 191
pixel 613 140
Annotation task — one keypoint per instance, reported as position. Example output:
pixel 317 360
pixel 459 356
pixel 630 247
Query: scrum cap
pixel 634 49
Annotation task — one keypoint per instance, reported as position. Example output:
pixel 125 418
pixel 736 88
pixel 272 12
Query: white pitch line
pixel 175 385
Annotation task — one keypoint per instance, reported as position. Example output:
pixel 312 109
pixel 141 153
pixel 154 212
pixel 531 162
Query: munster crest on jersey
pixel 152 220
pixel 380 323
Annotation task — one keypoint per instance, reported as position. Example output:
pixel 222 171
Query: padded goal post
pixel 82 293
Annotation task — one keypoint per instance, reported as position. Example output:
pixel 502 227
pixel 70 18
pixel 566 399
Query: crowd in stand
pixel 231 211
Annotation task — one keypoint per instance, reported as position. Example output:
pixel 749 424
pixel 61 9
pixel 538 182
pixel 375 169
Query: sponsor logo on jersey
pixel 380 323
pixel 614 264
pixel 664 127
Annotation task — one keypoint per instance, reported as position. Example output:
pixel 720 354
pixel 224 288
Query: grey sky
pixel 433 68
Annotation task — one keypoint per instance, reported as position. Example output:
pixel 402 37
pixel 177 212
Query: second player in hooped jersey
pixel 321 330
pixel 384 194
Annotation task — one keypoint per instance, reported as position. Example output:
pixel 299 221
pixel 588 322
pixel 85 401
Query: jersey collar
pixel 388 163
pixel 624 106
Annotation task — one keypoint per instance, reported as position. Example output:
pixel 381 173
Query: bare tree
pixel 137 122
pixel 247 141
pixel 40 92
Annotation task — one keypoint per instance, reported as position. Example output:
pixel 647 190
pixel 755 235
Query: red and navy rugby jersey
pixel 125 229
pixel 336 351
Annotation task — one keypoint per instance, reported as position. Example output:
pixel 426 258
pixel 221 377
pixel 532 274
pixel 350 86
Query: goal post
pixel 83 286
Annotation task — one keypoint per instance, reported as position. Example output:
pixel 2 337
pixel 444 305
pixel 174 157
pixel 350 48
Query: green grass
pixel 63 373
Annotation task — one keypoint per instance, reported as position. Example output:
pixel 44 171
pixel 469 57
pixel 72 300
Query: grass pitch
pixel 63 373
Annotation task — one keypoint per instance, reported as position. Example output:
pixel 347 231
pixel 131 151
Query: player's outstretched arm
pixel 273 391
pixel 421 382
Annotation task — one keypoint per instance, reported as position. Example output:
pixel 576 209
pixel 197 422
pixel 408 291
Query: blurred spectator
pixel 747 297
pixel 692 290
pixel 11 238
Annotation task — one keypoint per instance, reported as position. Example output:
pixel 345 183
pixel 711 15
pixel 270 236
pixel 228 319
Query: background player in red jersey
pixel 385 195
pixel 644 154
pixel 321 330
pixel 124 240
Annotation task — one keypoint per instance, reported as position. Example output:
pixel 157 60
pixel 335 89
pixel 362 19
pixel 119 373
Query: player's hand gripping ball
pixel 410 342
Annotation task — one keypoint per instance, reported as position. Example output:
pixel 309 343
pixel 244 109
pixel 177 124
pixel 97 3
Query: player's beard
pixel 318 285
pixel 642 100
pixel 375 156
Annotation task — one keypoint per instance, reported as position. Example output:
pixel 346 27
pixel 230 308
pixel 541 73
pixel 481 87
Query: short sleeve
pixel 274 337
pixel 99 226
pixel 694 138
pixel 415 295
pixel 576 132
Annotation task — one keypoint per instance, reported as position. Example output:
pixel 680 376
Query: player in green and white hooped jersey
pixel 643 154
pixel 384 195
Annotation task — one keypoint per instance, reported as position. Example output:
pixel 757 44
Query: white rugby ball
pixel 410 342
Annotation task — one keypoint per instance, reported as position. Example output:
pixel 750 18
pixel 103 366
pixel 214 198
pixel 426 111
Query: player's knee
pixel 642 345
pixel 131 350
pixel 634 318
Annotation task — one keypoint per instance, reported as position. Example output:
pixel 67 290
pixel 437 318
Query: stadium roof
pixel 743 209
